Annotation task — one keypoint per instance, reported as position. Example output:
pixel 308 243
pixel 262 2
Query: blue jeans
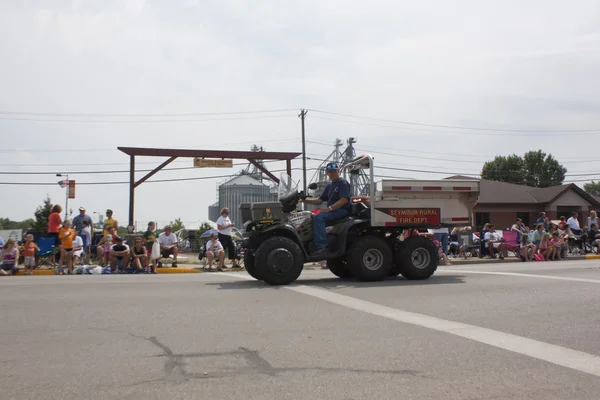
pixel 443 238
pixel 319 220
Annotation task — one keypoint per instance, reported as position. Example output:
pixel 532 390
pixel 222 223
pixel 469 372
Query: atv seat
pixel 339 221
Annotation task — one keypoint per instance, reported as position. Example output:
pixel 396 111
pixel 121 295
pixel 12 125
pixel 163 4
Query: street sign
pixel 71 189
pixel 204 163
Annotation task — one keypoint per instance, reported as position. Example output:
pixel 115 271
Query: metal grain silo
pixel 241 189
pixel 213 212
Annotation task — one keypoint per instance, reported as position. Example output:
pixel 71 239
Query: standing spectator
pixel 10 258
pixel 2 242
pixel 541 218
pixel 149 238
pixel 54 223
pixel 67 237
pixel 86 235
pixel 168 244
pixel 29 250
pixel 139 256
pixel 79 220
pixel 110 222
pixel 574 223
pixel 119 255
pixel 225 229
pixel 592 220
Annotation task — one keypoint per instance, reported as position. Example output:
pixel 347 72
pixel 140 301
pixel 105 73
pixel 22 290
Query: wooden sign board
pixel 204 163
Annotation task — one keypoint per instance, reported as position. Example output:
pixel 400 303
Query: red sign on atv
pixel 416 216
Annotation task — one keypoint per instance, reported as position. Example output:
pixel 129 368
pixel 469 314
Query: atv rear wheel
pixel 278 261
pixel 417 258
pixel 370 259
pixel 339 268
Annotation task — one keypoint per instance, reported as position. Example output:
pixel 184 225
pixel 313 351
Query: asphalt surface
pixel 530 332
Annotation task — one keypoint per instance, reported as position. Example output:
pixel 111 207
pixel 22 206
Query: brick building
pixel 502 203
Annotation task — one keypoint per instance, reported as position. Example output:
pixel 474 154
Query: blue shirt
pixel 78 222
pixel 335 191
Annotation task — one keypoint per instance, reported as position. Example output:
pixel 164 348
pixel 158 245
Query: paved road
pixel 478 332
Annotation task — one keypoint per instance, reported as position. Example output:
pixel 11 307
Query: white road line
pixel 573 359
pixel 552 277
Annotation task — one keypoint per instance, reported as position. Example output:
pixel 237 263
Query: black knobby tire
pixel 278 261
pixel 339 268
pixel 370 259
pixel 417 258
pixel 250 266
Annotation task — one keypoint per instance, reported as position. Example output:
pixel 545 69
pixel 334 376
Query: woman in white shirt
pixel 225 229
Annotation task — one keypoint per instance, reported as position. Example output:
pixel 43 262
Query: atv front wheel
pixel 278 261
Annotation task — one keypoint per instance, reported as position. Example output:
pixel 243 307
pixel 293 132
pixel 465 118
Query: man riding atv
pixel 337 196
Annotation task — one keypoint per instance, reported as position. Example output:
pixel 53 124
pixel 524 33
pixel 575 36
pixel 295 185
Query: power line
pixel 142 120
pixel 192 114
pixel 455 126
pixel 115 149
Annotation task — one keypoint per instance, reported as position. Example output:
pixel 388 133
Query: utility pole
pixel 302 117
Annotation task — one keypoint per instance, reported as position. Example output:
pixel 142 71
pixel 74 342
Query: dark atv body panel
pixel 337 236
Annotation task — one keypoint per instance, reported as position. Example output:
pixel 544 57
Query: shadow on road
pixel 337 283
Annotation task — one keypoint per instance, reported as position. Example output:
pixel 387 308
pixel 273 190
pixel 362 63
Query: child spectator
pixel 556 244
pixel 139 256
pixel 104 247
pixel 442 256
pixel 66 236
pixel 562 223
pixel 527 249
pixel 149 238
pixel 86 234
pixel 29 250
pixel 10 258
pixel 546 249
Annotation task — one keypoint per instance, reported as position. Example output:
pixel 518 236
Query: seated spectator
pixel 562 223
pixel 168 244
pixel 527 249
pixel 538 234
pixel 119 255
pixel 9 256
pixel 546 248
pixel 442 256
pixel 574 224
pixel 104 247
pixel 77 250
pixel 556 244
pixel 139 257
pixel 593 235
pixel 214 250
pixel 592 220
pixel 518 226
pixel 494 242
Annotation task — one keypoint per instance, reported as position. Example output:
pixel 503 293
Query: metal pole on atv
pixel 302 116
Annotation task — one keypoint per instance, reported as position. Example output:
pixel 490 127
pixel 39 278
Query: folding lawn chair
pixel 47 249
pixel 511 242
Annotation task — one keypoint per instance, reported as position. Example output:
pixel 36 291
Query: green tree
pixel 6 223
pixel 542 170
pixel 205 226
pixel 177 225
pixel 592 188
pixel 504 169
pixel 41 215
pixel 535 168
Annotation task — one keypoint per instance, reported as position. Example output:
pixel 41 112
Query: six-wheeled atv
pixel 368 245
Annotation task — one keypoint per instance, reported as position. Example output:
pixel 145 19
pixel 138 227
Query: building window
pixel 524 216
pixel 481 219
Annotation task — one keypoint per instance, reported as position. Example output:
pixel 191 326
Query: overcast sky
pixel 509 65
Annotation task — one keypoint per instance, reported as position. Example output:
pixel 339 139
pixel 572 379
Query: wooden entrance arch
pixel 172 154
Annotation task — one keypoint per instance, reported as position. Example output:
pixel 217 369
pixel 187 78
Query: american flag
pixel 64 183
